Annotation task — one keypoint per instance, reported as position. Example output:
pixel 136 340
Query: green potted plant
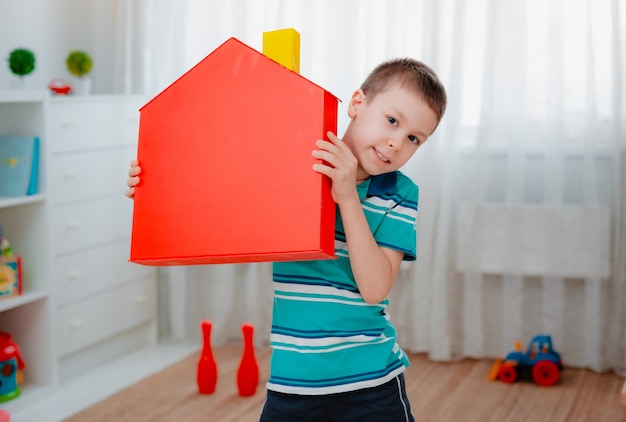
pixel 21 62
pixel 79 64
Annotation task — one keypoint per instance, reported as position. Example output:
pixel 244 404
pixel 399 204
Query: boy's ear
pixel 355 102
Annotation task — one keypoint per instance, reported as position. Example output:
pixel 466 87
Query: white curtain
pixel 522 218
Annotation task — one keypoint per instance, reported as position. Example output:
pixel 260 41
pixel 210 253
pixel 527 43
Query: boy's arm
pixel 374 268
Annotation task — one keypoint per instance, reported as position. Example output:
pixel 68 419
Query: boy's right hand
pixel 133 178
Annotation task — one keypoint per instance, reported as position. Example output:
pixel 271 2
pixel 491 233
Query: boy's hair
pixel 411 74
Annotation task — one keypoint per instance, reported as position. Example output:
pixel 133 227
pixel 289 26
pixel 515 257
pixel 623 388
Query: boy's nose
pixel 394 143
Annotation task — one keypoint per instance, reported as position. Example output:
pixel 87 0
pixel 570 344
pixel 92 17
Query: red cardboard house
pixel 225 153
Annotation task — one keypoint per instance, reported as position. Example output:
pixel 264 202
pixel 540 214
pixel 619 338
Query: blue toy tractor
pixel 540 362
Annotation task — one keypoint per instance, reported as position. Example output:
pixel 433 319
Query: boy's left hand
pixel 339 164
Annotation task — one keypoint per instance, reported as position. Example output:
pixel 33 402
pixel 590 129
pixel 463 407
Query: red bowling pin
pixel 207 369
pixel 248 372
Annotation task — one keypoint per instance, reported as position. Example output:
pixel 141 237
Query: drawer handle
pixel 141 299
pixel 71 225
pixel 67 123
pixel 70 174
pixel 76 323
pixel 73 275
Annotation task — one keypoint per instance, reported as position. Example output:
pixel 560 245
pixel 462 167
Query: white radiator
pixel 534 240
pixel 534 269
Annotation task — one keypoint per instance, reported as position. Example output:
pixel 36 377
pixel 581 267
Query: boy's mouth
pixel 381 157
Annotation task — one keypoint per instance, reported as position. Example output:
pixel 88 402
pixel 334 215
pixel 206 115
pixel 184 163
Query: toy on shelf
pixel 19 165
pixel 10 269
pixel 206 375
pixel 11 367
pixel 6 251
pixel 59 87
pixel 540 362
pixel 248 371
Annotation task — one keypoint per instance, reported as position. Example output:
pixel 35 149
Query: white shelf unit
pixel 83 303
pixel 29 318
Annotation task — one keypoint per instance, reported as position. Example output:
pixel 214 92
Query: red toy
pixel 248 372
pixel 11 367
pixel 206 374
pixel 540 362
pixel 225 153
pixel 60 87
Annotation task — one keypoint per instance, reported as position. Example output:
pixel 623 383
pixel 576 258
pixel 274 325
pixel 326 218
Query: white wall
pixel 51 28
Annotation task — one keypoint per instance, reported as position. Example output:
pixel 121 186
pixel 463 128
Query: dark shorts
pixel 385 403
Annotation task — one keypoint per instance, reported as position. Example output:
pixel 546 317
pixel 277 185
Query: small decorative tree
pixel 78 63
pixel 21 61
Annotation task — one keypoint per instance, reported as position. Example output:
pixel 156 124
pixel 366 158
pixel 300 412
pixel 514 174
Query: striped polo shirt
pixel 325 338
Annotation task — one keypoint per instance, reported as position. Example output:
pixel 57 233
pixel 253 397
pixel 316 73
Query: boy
pixel 334 350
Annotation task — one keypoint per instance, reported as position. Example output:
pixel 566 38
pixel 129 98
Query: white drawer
pixel 90 175
pixel 80 125
pixel 88 322
pixel 95 271
pixel 80 225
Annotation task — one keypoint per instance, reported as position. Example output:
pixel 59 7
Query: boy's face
pixel 387 130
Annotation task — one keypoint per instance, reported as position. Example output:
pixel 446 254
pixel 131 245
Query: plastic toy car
pixel 540 362
pixel 60 87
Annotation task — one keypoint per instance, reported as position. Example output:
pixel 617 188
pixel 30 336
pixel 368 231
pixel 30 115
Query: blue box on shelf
pixel 19 164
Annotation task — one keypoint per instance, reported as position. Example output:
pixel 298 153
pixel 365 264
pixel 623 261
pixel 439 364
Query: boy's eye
pixel 414 139
pixel 392 120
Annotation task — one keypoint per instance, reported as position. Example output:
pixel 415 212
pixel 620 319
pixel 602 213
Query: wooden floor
pixel 438 392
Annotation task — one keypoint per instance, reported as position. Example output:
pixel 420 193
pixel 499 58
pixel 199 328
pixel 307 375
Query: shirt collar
pixel 383 183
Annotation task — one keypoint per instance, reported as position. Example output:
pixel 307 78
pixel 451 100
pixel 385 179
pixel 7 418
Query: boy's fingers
pixel 132 182
pixel 332 137
pixel 134 171
pixel 322 144
pixel 325 156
